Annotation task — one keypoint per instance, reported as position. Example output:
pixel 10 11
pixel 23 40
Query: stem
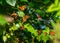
pixel 32 39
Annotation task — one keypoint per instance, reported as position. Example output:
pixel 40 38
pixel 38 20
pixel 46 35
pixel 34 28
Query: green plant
pixel 29 21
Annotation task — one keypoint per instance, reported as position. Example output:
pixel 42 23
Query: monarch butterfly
pixel 23 7
pixel 25 18
pixel 22 27
pixel 52 33
pixel 39 32
pixel 38 16
pixel 22 42
pixel 9 19
pixel 14 14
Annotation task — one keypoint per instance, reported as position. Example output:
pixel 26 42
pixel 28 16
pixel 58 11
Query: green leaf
pixel 56 2
pixel 52 23
pixel 14 27
pixel 39 12
pixel 45 37
pixel 7 35
pixel 54 7
pixel 31 4
pixel 4 39
pixel 47 30
pixel 31 29
pixel 58 13
pixel 52 37
pixel 46 1
pixel 39 37
pixel 17 25
pixel 2 20
pixel 1 30
pixel 1 1
pixel 23 0
pixel 11 2
pixel 21 13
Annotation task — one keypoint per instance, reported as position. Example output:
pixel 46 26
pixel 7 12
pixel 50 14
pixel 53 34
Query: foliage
pixel 28 21
pixel 2 19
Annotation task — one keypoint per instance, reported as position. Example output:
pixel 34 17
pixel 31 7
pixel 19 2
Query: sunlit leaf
pixel 2 20
pixel 52 23
pixel 7 35
pixel 4 39
pixel 56 2
pixel 54 7
pixel 21 13
pixel 39 37
pixel 45 37
pixel 31 29
pixel 58 13
pixel 14 27
pixel 11 2
pixel 47 30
